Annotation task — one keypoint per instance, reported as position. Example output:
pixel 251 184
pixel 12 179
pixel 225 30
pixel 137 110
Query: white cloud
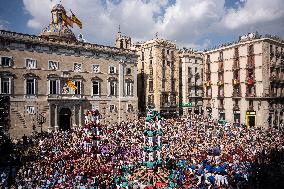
pixel 188 22
pixel 254 12
pixel 4 25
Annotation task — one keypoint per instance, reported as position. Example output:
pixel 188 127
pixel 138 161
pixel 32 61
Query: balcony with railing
pixel 275 78
pixel 250 108
pixel 207 83
pixel 250 66
pixel 220 68
pixel 236 93
pixel 221 107
pixel 250 95
pixel 236 82
pixel 64 96
pixel 236 66
pixel 236 107
pixel 250 81
pixel 220 82
pixel 221 93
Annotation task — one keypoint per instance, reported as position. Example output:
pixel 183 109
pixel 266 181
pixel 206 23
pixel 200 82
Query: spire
pixel 119 28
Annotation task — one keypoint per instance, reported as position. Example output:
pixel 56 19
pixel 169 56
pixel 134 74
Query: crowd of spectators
pixel 197 152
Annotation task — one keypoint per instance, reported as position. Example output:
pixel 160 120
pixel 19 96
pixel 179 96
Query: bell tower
pixel 122 42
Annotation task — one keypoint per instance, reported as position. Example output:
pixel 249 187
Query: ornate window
pixel 112 88
pixel 6 61
pixel 96 88
pixel 130 108
pixel 96 68
pixel 31 110
pixel 112 69
pixel 54 87
pixel 128 71
pixel 112 108
pixel 53 65
pixel 129 88
pixel 30 86
pixel 77 67
pixel 31 63
pixel 5 85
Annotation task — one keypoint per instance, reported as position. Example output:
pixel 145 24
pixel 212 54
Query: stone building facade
pixel 243 82
pixel 158 76
pixel 60 78
pixel 191 76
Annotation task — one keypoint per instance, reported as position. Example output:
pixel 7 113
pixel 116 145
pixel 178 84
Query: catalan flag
pixel 71 85
pixel 67 19
pixel 76 20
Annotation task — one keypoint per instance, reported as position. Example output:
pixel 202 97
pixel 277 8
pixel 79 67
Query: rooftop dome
pixel 58 29
pixel 57 7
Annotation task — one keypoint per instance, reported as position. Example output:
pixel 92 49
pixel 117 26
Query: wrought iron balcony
pixel 221 107
pixel 236 66
pixel 65 96
pixel 220 82
pixel 236 94
pixel 250 95
pixel 236 107
pixel 235 82
pixel 250 66
pixel 221 69
pixel 220 95
pixel 250 81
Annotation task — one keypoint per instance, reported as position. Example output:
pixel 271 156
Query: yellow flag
pixel 67 19
pixel 71 85
pixel 76 20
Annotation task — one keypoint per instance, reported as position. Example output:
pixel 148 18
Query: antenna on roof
pixel 119 28
pixel 156 34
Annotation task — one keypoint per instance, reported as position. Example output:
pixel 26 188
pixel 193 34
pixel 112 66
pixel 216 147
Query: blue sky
pixel 197 24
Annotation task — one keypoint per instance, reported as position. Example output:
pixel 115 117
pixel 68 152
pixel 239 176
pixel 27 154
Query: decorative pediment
pixel 30 75
pixel 129 80
pixel 77 77
pixel 7 74
pixel 52 76
pixel 96 78
pixel 112 79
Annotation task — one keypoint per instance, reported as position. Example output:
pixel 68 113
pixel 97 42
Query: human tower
pixel 151 170
pixel 92 132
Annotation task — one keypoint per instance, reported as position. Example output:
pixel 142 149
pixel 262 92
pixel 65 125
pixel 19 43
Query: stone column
pixel 135 81
pixel 50 119
pixel 121 87
pixel 80 116
pixel 56 127
pixel 74 125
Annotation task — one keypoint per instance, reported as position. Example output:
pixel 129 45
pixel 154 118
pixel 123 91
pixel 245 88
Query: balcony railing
pixel 207 83
pixel 249 81
pixel 65 96
pixel 220 82
pixel 250 95
pixel 236 82
pixel 236 66
pixel 236 94
pixel 221 69
pixel 221 107
pixel 250 66
pixel 275 78
pixel 167 105
pixel 236 107
pixel 250 108
pixel 221 95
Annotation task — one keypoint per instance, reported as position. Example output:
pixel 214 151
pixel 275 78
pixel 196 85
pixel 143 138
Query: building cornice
pixel 14 36
pixel 241 43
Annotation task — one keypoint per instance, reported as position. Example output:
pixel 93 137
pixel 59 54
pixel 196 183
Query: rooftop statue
pixel 58 28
